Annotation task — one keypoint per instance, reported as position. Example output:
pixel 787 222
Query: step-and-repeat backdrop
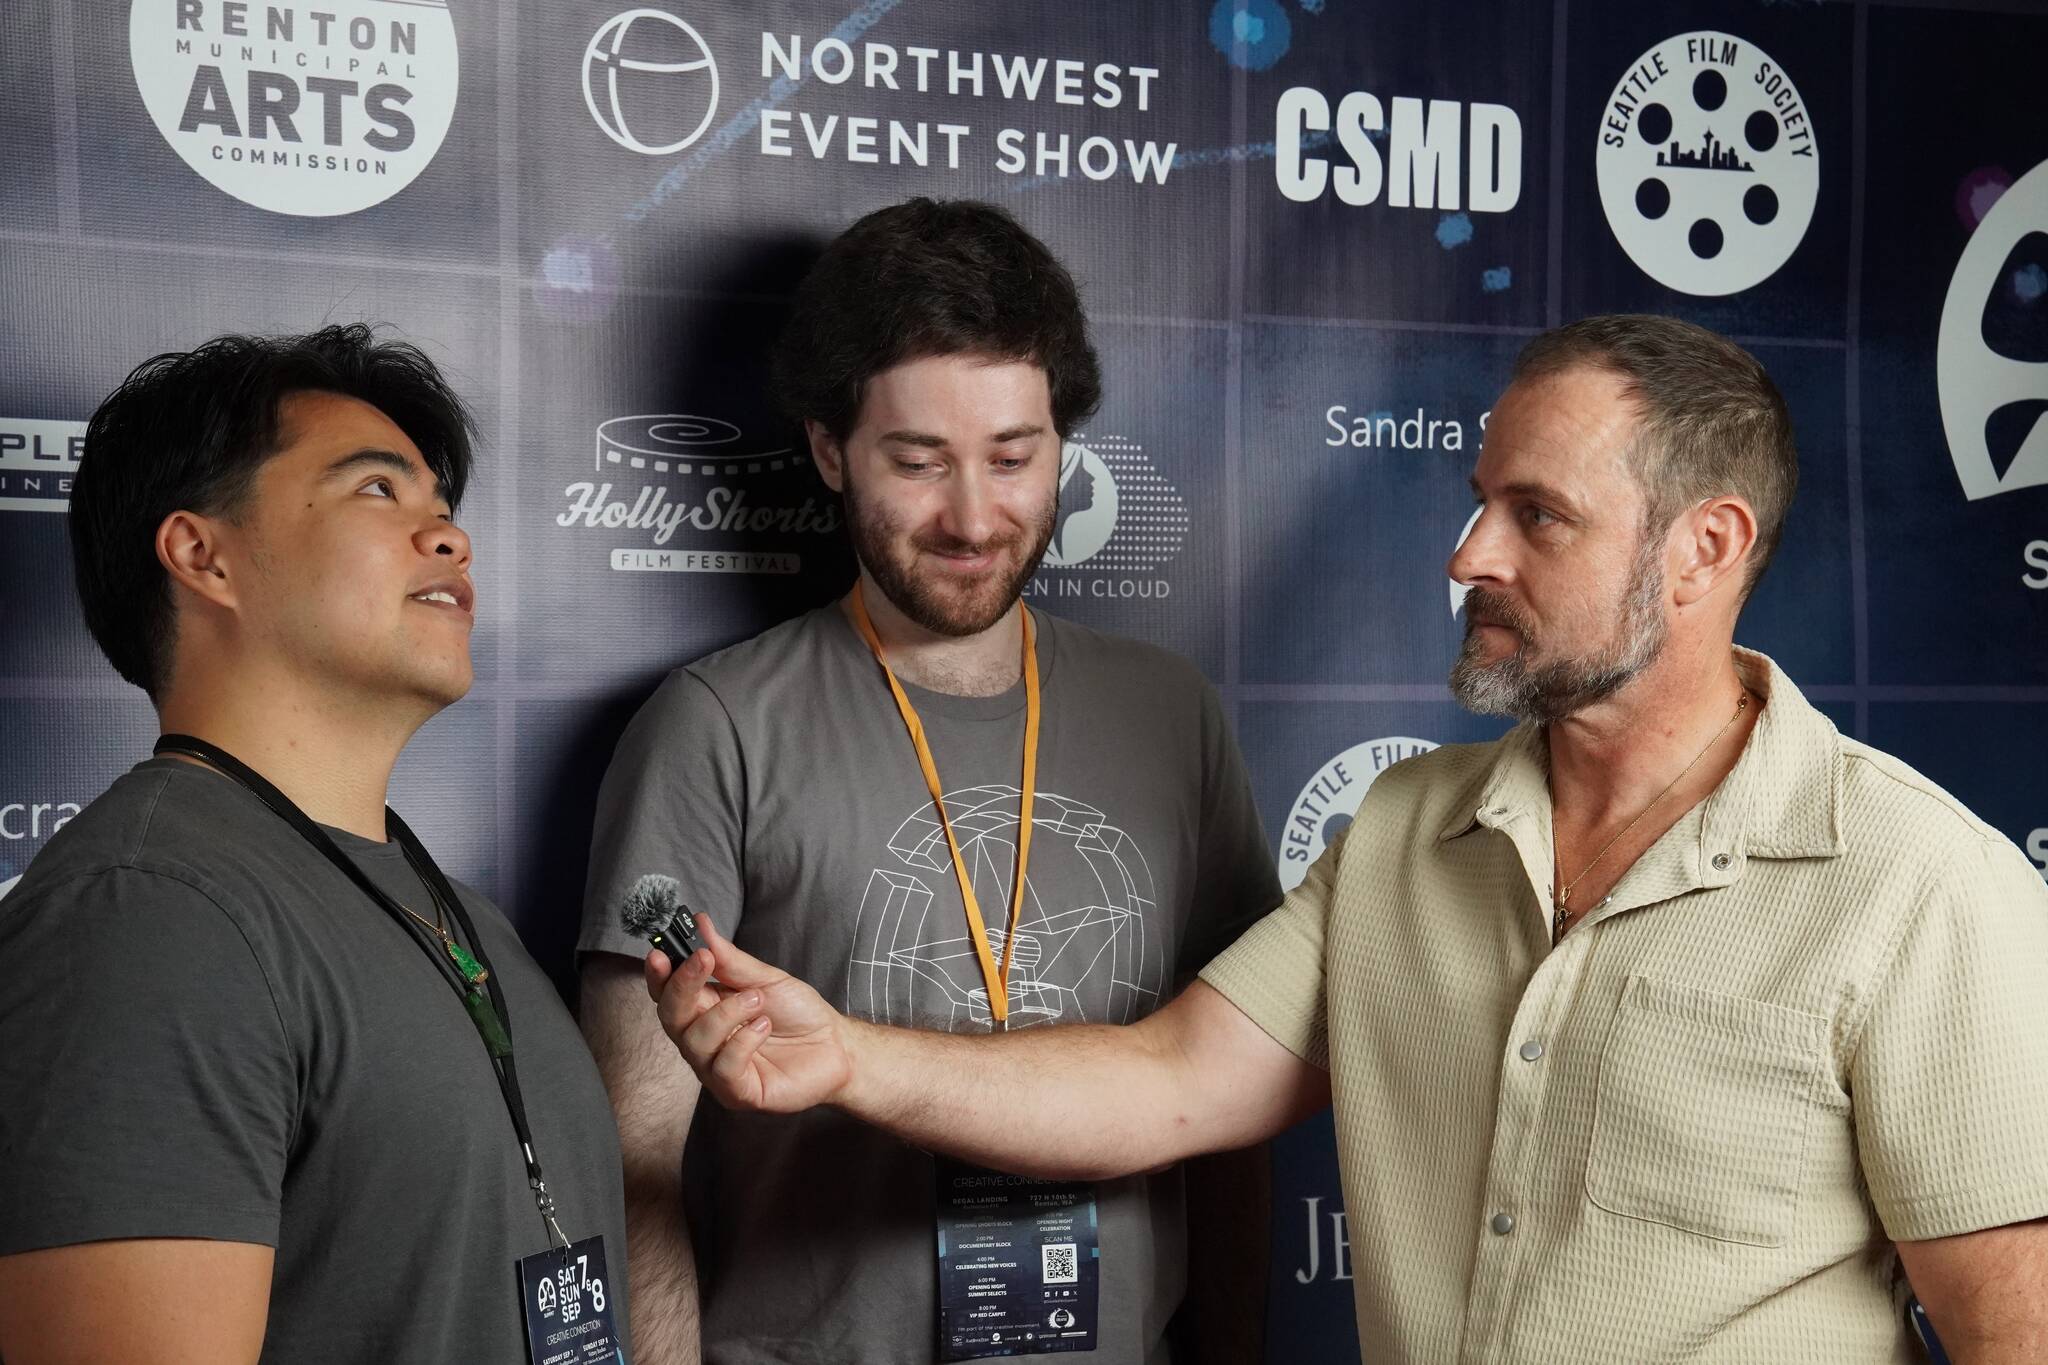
pixel 1311 234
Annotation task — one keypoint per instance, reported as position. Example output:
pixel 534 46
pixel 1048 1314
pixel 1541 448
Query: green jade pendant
pixel 481 1012
pixel 473 972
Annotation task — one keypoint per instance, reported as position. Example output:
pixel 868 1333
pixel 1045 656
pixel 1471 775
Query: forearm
pixel 1086 1101
pixel 663 1269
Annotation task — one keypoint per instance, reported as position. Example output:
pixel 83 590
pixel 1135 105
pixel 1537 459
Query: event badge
pixel 1019 1264
pixel 567 1296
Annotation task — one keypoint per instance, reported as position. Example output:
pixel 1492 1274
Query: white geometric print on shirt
pixel 1087 948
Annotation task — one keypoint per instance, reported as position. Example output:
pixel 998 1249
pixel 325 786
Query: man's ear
pixel 1715 541
pixel 189 546
pixel 827 454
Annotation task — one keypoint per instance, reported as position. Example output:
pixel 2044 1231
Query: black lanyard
pixel 481 997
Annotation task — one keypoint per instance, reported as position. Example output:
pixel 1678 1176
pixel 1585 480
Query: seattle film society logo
pixel 1326 805
pixel 1707 164
pixel 313 109
pixel 701 497
pixel 1119 519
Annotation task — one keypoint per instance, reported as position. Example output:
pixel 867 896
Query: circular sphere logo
pixel 1707 164
pixel 1087 512
pixel 653 63
pixel 312 109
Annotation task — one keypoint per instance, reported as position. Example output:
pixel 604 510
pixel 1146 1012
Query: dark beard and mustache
pixel 939 612
pixel 1563 687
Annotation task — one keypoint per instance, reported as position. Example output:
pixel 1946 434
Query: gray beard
pixel 1564 687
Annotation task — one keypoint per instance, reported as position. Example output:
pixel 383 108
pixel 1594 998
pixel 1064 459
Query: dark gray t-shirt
pixel 776 782
pixel 207 1030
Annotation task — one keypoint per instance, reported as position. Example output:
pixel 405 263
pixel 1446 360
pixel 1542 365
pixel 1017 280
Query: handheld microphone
pixel 654 910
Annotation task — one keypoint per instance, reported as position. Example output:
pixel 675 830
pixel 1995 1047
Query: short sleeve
pixel 1950 1075
pixel 1274 974
pixel 673 803
pixel 147 1084
pixel 1235 882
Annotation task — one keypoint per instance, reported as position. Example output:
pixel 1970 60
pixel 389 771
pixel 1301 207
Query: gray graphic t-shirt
pixel 776 782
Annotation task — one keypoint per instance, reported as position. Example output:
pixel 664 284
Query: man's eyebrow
pixel 1541 492
pixel 373 458
pixel 915 438
pixel 929 441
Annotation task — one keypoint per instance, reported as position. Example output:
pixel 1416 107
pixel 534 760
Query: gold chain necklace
pixel 1564 895
pixel 473 971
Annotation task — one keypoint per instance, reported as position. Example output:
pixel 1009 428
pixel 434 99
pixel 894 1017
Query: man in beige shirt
pixel 1671 1026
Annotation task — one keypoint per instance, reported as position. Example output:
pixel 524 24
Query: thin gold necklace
pixel 1563 914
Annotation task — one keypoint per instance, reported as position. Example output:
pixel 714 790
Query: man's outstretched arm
pixel 1075 1101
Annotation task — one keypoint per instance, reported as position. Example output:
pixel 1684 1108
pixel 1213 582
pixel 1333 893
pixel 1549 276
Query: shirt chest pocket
pixel 1701 1118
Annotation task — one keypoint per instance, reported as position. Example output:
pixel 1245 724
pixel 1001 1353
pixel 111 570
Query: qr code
pixel 1059 1263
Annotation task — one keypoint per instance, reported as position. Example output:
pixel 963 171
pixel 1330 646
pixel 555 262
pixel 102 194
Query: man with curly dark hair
pixel 946 811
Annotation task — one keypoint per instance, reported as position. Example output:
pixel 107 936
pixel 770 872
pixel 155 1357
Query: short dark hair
pixel 187 430
pixel 931 278
pixel 1711 421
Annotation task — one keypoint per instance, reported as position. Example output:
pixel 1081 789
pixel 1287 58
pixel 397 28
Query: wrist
pixel 856 1039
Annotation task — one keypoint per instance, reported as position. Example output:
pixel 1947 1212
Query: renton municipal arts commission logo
pixel 308 107
pixel 702 496
pixel 650 81
pixel 1707 164
pixel 1119 519
pixel 1326 805
pixel 37 461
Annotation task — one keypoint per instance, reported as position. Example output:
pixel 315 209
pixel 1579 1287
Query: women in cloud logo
pixel 1707 164
pixel 315 110
pixel 660 67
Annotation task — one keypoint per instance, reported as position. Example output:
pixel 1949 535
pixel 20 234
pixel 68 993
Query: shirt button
pixel 1721 861
pixel 1531 1050
pixel 1503 1224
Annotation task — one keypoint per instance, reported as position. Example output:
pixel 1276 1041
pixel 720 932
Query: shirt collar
pixel 1783 798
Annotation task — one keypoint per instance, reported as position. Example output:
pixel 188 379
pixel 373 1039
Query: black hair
pixel 187 430
pixel 930 278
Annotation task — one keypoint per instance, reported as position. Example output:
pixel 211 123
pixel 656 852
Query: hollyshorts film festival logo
pixel 1707 164
pixel 1119 521
pixel 310 109
pixel 696 494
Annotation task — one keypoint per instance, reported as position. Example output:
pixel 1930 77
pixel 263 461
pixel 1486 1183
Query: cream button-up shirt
pixel 1811 1020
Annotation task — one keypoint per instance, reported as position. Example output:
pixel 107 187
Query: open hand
pixel 759 1039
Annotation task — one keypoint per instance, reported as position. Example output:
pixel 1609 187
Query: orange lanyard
pixel 996 979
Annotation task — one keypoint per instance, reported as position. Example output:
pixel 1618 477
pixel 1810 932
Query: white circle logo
pixel 312 109
pixel 663 69
pixel 1976 381
pixel 1087 512
pixel 1707 164
pixel 1331 798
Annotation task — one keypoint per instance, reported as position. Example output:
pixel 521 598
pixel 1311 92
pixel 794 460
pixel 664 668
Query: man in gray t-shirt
pixel 245 1113
pixel 778 784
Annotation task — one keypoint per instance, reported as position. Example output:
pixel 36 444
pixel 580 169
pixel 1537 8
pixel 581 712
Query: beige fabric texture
pixel 1811 1019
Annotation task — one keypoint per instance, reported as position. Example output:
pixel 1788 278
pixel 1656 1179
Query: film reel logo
pixel 1707 164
